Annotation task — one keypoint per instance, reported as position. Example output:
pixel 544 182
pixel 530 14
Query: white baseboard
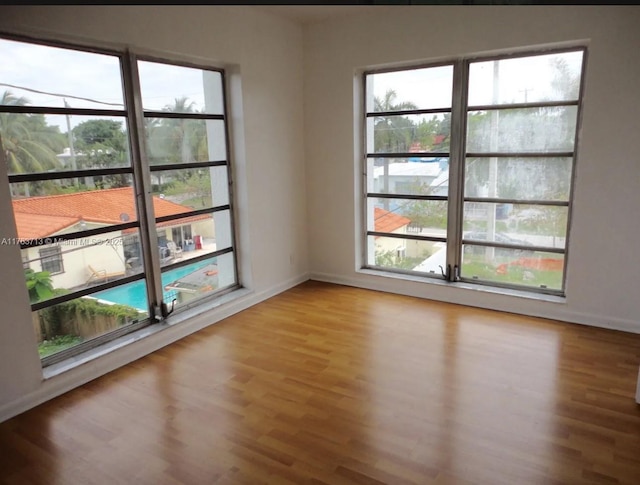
pixel 131 348
pixel 499 302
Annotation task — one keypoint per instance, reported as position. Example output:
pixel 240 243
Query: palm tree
pixel 28 143
pixel 182 129
pixel 387 103
pixel 392 133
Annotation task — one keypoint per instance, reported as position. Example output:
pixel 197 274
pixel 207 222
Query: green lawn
pixel 475 266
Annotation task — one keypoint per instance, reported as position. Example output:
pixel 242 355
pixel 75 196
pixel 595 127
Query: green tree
pixel 177 140
pixel 393 133
pixel 102 143
pixel 28 142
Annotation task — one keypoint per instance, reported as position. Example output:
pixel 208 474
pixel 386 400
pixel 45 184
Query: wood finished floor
pixel 328 384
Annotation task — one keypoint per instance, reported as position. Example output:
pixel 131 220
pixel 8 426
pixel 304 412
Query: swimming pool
pixel 135 294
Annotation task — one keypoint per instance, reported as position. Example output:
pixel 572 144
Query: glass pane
pixel 525 225
pixel 35 143
pixel 406 254
pixel 51 207
pixel 409 134
pixel 60 267
pixel 68 324
pixel 193 236
pixel 408 176
pixel 198 280
pixel 400 216
pixel 195 188
pixel 38 75
pixel 522 130
pixel 518 178
pixel 183 140
pixel 550 77
pixel 428 88
pixel 534 269
pixel 179 89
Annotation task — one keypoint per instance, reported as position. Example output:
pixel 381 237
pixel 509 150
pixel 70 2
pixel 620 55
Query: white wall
pixel 263 55
pixel 602 279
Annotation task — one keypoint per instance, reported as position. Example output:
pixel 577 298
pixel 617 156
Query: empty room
pixel 319 244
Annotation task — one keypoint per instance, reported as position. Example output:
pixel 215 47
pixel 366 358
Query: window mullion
pixel 456 167
pixel 142 184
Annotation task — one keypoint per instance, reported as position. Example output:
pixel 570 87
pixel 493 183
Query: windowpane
pixel 185 130
pixel 35 143
pixel 551 77
pixel 184 140
pixel 408 176
pixel 76 264
pixel 509 266
pixel 522 130
pixel 518 178
pixel 51 259
pixel 180 89
pixel 409 133
pixel 516 224
pixel 407 254
pixel 428 88
pixel 38 75
pixel 196 188
pixel 73 322
pixel 402 216
pixel 51 207
pixel 193 236
pixel 519 158
pixel 198 280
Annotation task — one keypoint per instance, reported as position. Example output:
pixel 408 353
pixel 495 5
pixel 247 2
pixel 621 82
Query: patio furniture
pixel 101 275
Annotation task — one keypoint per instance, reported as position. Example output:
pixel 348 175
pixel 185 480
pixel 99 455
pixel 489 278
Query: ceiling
pixel 312 13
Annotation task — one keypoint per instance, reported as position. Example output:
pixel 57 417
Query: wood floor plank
pixel 328 384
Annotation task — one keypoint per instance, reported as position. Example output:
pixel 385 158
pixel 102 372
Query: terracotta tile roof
pixel 386 221
pixel 33 226
pixel 45 216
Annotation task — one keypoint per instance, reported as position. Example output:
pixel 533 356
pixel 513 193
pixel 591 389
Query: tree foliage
pixel 28 142
pixel 397 133
pixel 39 285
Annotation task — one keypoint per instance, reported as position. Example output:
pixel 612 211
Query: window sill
pixel 126 340
pixel 463 285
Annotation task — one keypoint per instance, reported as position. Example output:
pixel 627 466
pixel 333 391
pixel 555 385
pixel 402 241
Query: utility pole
pixel 72 152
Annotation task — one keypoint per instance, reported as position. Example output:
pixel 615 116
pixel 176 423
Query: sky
pixel 71 74
pixel 519 80
pixel 97 77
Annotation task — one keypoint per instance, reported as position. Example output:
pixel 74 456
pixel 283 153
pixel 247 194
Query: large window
pixel 469 168
pixel 119 174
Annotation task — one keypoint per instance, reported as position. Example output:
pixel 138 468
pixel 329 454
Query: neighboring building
pixel 407 177
pixel 386 221
pixel 75 263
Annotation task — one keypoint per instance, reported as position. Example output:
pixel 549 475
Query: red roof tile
pixel 33 226
pixel 44 216
pixel 386 221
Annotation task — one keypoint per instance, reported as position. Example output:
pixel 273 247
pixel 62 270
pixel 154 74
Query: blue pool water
pixel 135 294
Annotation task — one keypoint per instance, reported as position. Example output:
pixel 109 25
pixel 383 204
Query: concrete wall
pixel 603 252
pixel 263 57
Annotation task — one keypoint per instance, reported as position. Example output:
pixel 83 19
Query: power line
pixel 61 95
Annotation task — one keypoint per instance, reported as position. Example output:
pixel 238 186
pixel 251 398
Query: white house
pixel 79 262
